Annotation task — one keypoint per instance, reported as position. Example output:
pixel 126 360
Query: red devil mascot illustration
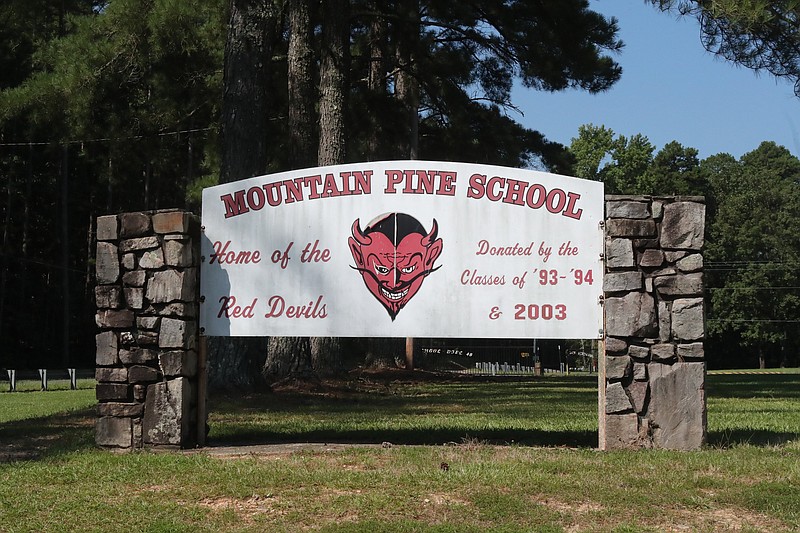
pixel 394 254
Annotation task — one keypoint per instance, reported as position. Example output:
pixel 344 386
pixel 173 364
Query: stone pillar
pixel 653 370
pixel 147 296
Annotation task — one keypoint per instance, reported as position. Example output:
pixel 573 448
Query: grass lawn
pixel 494 456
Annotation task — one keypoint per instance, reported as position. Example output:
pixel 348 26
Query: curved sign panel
pixel 403 249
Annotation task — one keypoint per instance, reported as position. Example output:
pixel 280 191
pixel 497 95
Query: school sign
pixel 403 249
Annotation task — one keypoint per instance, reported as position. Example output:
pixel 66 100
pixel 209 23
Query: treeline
pixel 122 105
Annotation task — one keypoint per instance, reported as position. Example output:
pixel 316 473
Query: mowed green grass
pixel 746 479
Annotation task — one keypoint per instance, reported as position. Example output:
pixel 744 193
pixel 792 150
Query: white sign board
pixel 403 249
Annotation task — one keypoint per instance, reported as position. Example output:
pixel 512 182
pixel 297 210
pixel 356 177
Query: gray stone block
pixel 690 263
pixel 166 413
pixel 178 253
pixel 651 258
pixel 152 259
pixel 107 297
pixel 618 367
pixel 107 263
pixel 675 256
pixel 680 285
pixel 171 222
pixel 172 286
pixel 114 318
pixel 176 333
pixel 622 281
pixel 617 400
pixel 178 363
pixel 632 315
pixel 639 353
pixel 688 319
pixel 111 375
pixel 111 392
pixel 624 227
pixel 147 338
pixel 114 432
pixel 639 371
pixel 619 253
pixel 622 432
pixel 107 349
pixel 149 323
pixel 637 391
pixel 616 346
pixel 129 261
pixel 134 278
pixel 677 408
pixel 627 209
pixel 107 228
pixel 663 352
pixel 664 321
pixel 134 225
pixel 134 297
pixel 693 350
pixel 138 356
pixel 120 409
pixel 683 226
pixel 142 374
pixel 139 244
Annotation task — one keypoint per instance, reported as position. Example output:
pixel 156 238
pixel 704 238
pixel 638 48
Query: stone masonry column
pixel 652 390
pixel 147 312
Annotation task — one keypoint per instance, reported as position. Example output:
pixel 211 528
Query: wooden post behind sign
pixel 409 353
pixel 202 383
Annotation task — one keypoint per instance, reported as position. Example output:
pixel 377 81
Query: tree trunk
pixel 762 360
pixel 301 86
pixel 333 81
pixel 288 357
pixel 376 82
pixel 326 352
pixel 383 352
pixel 236 362
pixel 245 100
pixel 407 82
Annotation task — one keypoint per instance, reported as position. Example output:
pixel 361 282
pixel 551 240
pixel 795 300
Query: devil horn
pixel 359 235
pixel 430 237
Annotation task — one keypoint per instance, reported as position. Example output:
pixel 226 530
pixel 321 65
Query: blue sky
pixel 671 89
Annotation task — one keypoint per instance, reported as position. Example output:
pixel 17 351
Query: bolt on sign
pixel 403 249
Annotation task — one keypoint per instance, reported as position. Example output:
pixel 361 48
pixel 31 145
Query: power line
pixel 739 320
pixel 105 139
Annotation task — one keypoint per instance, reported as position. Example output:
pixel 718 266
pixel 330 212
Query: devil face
pixel 394 255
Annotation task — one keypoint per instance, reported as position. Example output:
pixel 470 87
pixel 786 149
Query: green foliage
pixel 754 240
pixel 619 162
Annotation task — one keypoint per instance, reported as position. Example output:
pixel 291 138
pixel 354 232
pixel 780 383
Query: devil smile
pixel 393 295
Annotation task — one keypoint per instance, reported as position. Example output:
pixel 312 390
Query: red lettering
pixel 514 192
pixel 222 255
pixel 490 191
pixel 278 307
pixel 477 188
pixel 570 211
pixel 234 204
pixel 556 199
pixel 231 310
pixel 393 177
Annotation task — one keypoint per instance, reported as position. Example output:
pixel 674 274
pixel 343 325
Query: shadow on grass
pixel 539 412
pixel 48 436
pixel 754 437
pixel 765 396
pixel 786 386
